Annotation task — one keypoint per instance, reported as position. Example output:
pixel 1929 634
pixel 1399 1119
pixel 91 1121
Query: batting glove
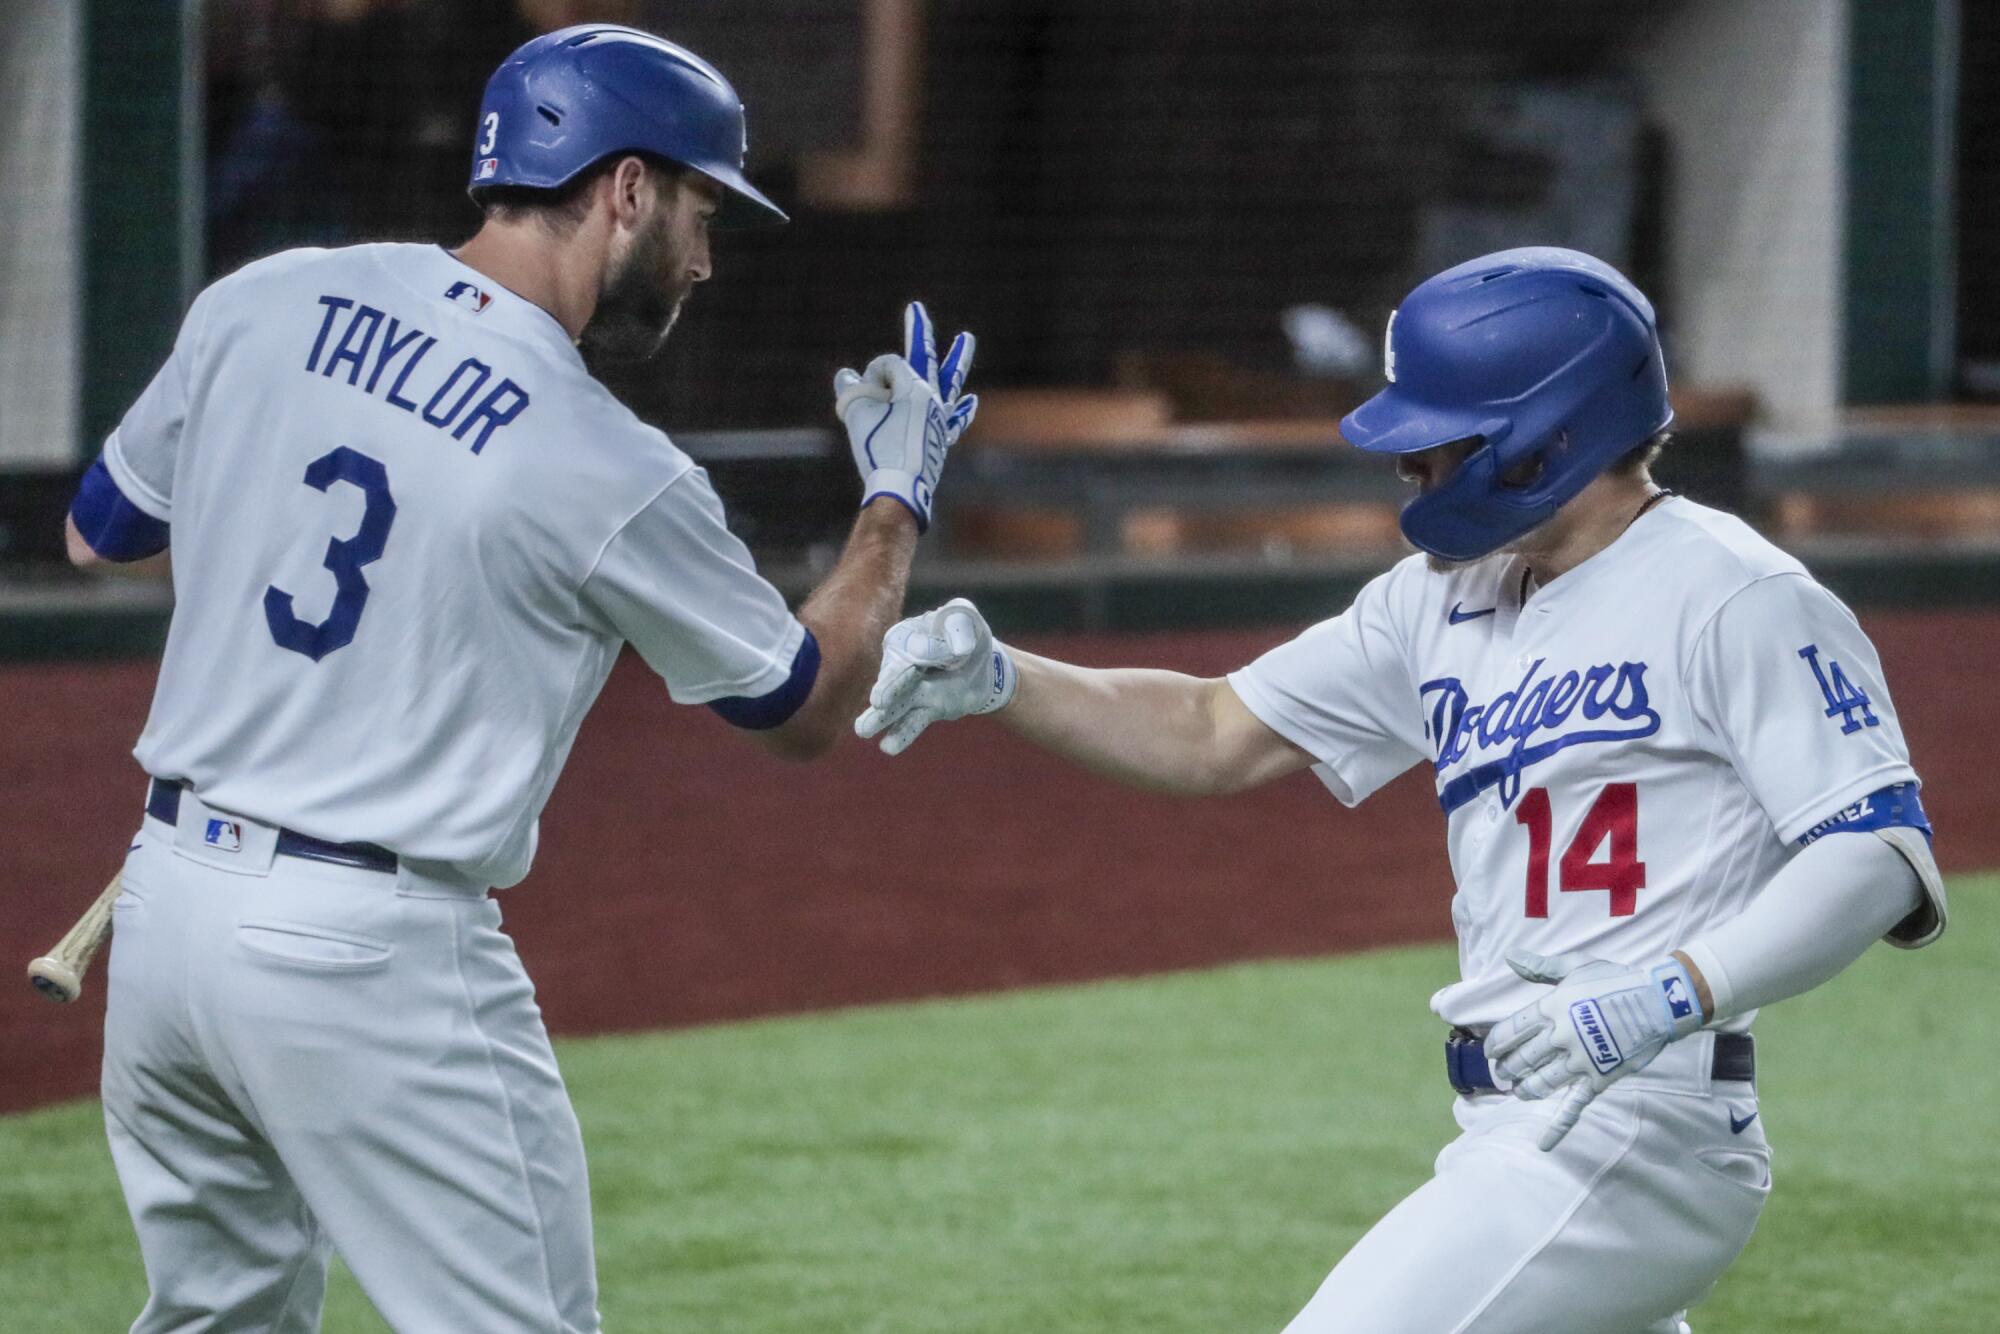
pixel 936 667
pixel 904 413
pixel 1602 1022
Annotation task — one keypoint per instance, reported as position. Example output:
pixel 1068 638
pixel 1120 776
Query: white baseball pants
pixel 1630 1221
pixel 302 1057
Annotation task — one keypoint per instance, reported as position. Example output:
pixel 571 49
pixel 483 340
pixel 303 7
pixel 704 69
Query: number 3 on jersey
pixel 1614 815
pixel 344 557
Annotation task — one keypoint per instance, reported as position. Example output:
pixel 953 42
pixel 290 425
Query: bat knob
pixel 55 979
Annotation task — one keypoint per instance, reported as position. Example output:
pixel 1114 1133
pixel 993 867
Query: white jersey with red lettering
pixel 1623 757
pixel 410 533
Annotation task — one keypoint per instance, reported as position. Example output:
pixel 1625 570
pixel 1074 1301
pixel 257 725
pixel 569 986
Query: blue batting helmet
pixel 574 97
pixel 1546 357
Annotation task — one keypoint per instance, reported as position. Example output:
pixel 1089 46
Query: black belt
pixel 163 802
pixel 1465 1061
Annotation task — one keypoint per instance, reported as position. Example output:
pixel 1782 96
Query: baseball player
pixel 1673 785
pixel 410 534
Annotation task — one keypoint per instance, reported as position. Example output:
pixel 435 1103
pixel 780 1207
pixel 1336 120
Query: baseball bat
pixel 59 973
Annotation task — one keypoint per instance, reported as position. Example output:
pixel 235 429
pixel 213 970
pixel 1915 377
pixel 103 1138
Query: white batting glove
pixel 1602 1022
pixel 936 667
pixel 904 413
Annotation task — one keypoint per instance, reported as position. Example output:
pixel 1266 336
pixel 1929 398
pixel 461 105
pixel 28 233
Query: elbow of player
pixel 1221 785
pixel 793 721
pixel 1218 769
pixel 1185 775
pixel 801 741
pixel 80 553
pixel 1219 780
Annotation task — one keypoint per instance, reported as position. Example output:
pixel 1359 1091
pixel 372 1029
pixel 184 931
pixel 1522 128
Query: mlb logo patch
pixel 224 835
pixel 488 166
pixel 1679 1003
pixel 468 296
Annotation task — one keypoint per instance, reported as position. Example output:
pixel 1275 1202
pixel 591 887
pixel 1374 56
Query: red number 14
pixel 1614 815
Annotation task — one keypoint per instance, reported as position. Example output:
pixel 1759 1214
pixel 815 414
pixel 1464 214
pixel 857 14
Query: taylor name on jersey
pixel 379 343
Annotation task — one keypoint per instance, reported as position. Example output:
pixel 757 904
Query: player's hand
pixel 1602 1022
pixel 904 413
pixel 936 667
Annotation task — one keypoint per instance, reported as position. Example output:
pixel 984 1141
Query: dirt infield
pixel 685 878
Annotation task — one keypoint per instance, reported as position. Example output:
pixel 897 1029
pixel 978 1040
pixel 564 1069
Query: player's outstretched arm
pixel 1153 729
pixel 847 614
pixel 1165 731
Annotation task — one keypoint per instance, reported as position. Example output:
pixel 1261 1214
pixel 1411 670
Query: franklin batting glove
pixel 936 667
pixel 904 413
pixel 1602 1022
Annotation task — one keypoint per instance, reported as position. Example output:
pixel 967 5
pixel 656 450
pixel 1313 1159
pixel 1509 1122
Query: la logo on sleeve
pixel 1842 696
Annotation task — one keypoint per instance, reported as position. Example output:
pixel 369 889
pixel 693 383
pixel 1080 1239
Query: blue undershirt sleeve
pixel 763 712
pixel 1896 804
pixel 112 525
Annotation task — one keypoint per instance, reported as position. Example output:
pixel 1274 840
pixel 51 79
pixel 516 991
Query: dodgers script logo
pixel 1524 723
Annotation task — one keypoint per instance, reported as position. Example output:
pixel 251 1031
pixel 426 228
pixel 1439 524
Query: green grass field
pixel 1181 1153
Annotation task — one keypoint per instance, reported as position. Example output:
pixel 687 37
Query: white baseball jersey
pixel 410 533
pixel 1623 759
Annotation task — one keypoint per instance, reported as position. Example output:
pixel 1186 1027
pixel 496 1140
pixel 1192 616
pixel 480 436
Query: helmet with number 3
pixel 572 98
pixel 1548 358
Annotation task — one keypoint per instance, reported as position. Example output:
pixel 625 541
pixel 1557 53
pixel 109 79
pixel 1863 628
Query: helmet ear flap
pixel 1531 467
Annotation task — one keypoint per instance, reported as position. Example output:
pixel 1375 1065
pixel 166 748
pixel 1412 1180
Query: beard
pixel 637 307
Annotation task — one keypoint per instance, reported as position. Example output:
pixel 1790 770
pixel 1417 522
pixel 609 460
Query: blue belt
pixel 1465 1060
pixel 163 802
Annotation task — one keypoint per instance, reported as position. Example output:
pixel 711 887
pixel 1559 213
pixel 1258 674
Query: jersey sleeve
pixel 141 452
pixel 1790 691
pixel 683 590
pixel 1342 692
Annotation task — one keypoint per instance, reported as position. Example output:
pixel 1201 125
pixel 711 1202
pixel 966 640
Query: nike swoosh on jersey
pixel 1737 1127
pixel 1460 617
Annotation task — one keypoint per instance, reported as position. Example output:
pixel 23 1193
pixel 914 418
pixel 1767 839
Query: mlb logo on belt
pixel 224 835
pixel 468 296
